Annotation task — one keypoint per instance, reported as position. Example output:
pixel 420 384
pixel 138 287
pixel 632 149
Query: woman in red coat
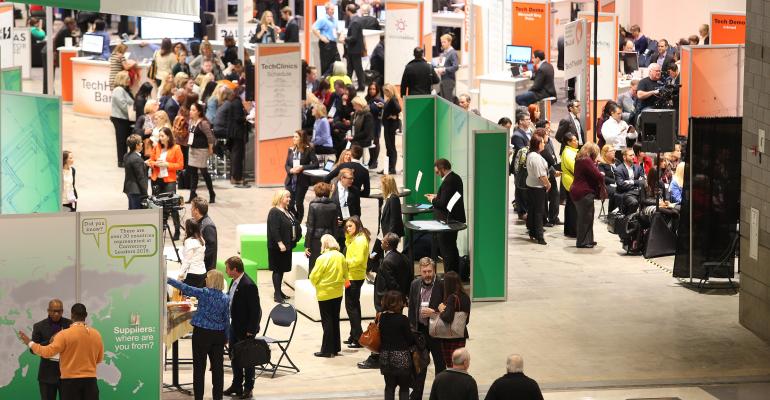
pixel 166 159
pixel 586 187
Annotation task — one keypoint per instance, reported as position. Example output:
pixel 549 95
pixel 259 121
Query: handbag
pixel 250 352
pixel 371 336
pixel 152 71
pixel 437 328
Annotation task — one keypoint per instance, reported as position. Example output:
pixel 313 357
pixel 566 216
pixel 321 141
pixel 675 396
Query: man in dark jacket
pixel 451 186
pixel 354 46
pixel 135 178
pixel 291 33
pixel 360 173
pixel 418 75
pixel 377 59
pixel 514 384
pixel 245 314
pixel 42 332
pixel 422 289
pixel 199 210
pixel 455 382
pixel 543 85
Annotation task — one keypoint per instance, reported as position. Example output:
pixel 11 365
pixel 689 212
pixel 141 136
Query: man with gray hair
pixel 455 383
pixel 514 384
pixel 424 288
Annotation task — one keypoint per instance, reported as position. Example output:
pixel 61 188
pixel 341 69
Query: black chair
pixel 723 268
pixel 286 316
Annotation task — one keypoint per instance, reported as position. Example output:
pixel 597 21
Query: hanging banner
pixel 22 50
pixel 6 35
pixel 188 10
pixel 728 27
pixel 278 96
pixel 575 56
pixel 403 32
pixel 531 25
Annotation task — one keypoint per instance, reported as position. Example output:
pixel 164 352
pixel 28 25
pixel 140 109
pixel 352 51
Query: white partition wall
pixel 404 29
pixel 22 51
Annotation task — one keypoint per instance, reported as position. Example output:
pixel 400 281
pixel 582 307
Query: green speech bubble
pixel 132 241
pixel 94 227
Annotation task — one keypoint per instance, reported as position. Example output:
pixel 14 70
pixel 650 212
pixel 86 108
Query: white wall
pixel 675 19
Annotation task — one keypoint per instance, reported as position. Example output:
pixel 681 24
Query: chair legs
pixel 274 366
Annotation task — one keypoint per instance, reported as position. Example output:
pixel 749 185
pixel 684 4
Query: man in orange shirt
pixel 80 348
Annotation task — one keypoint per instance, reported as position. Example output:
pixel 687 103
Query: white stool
pixel 299 269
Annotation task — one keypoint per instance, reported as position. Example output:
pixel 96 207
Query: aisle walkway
pixel 581 318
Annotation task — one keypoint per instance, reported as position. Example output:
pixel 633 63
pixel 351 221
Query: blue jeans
pixel 526 98
pixel 134 201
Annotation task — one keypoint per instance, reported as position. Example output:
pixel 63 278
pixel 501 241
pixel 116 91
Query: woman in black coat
pixel 607 165
pixel 231 124
pixel 391 220
pixel 300 157
pixel 321 220
pixel 391 123
pixel 362 123
pixel 282 236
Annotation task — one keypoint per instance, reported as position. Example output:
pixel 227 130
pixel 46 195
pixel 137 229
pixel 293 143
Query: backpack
pixel 520 160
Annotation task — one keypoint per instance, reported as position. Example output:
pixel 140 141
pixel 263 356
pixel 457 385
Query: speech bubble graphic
pixel 132 241
pixel 94 227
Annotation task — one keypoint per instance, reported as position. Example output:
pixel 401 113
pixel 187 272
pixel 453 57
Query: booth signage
pixel 402 31
pixel 575 57
pixel 224 30
pixel 530 26
pixel 6 35
pixel 188 10
pixel 728 28
pixel 22 50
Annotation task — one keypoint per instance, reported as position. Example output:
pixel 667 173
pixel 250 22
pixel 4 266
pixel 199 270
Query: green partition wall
pixel 436 128
pixel 10 79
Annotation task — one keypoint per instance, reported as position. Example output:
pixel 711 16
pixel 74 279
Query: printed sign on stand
pixel 6 35
pixel 575 56
pixel 22 50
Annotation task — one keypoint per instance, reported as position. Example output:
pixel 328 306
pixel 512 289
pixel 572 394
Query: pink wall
pixel 674 19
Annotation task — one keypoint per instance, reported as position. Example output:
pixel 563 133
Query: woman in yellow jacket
pixel 357 256
pixel 568 156
pixel 328 278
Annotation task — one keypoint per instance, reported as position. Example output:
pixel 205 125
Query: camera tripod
pixel 167 229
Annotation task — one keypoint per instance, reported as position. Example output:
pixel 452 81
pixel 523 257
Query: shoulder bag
pixel 152 71
pixel 250 352
pixel 371 337
pixel 437 328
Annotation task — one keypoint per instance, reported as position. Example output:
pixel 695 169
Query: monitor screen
pixel 159 28
pixel 630 61
pixel 518 54
pixel 92 43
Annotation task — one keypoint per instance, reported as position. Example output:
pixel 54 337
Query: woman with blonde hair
pixel 391 211
pixel 268 31
pixel 391 123
pixel 339 73
pixel 586 187
pixel 345 156
pixel 362 123
pixel 210 324
pixel 677 184
pixel 356 256
pixel 122 101
pixel 328 278
pixel 301 156
pixel 322 134
pixel 207 54
pixel 283 233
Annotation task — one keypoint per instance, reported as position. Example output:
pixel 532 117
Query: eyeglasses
pixel 57 311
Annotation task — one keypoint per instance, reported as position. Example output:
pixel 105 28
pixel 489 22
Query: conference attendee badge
pixel 345 212
pixel 417 182
pixel 332 111
pixel 347 146
pixel 191 137
pixel 295 162
pixel 453 201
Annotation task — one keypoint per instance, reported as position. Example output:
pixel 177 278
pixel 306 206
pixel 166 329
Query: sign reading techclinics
pixel 6 35
pixel 728 28
pixel 188 10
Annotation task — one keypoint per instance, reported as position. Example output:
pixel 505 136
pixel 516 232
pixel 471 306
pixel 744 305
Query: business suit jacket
pixel 525 388
pixel 549 154
pixel 307 160
pixel 399 266
pixel 567 125
pixel 245 312
pixel 354 200
pixel 135 178
pixel 171 108
pixel 392 221
pixel 418 78
pixel 360 176
pixel 543 85
pixel 291 35
pixel 452 184
pixel 209 232
pixel 414 299
pixel 519 139
pixel 354 40
pixel 621 178
pixel 41 334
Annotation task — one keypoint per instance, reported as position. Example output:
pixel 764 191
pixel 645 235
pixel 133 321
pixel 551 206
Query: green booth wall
pixel 10 79
pixel 435 128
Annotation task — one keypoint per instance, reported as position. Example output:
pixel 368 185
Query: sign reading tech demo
pixel 728 28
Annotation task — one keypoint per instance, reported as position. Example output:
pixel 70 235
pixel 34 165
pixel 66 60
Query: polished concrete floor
pixel 591 324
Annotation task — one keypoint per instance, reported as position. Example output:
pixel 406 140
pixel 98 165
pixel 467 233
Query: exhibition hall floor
pixel 585 320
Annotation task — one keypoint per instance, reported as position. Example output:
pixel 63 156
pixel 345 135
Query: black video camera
pixel 668 93
pixel 167 201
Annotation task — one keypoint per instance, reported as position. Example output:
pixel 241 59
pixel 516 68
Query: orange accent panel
pixel 271 156
pixel 403 6
pixel 592 60
pixel 684 92
pixel 65 63
pixel 478 62
pixel 728 29
pixel 609 7
pixel 282 49
pixel 427 42
pixel 713 91
pixel 530 26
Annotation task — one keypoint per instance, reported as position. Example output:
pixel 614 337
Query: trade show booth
pixel 91 93
pixel 478 151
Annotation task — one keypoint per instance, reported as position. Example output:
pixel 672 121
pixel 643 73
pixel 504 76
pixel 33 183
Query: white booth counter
pixel 497 94
pixel 91 92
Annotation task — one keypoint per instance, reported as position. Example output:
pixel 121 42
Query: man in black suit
pixel 664 57
pixel 629 179
pixel 519 140
pixel 291 33
pixel 347 198
pixel 571 124
pixel 42 332
pixel 418 75
pixel 135 178
pixel 552 197
pixel 367 21
pixel 172 105
pixel 199 208
pixel 354 46
pixel 451 185
pixel 543 85
pixel 514 384
pixel 245 314
pixel 421 291
pixel 361 179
